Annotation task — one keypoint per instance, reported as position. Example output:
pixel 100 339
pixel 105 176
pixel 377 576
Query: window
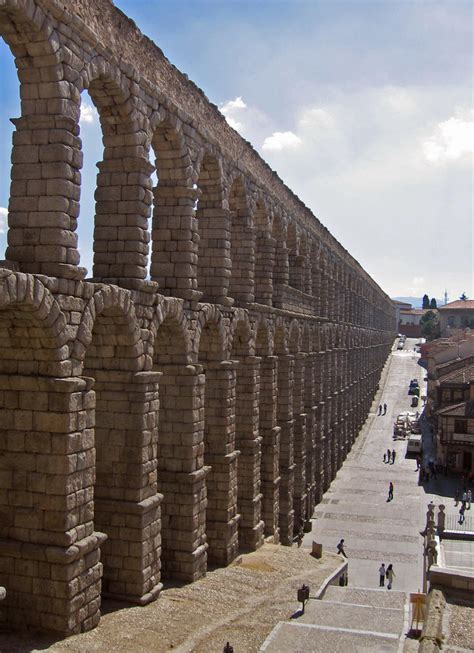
pixel 460 425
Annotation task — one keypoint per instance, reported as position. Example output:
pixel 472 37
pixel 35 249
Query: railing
pixel 452 524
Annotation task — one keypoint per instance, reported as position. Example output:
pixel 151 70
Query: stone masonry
pixel 198 393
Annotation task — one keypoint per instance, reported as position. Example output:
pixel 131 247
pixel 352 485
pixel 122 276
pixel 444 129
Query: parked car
pixel 414 401
pixel 414 444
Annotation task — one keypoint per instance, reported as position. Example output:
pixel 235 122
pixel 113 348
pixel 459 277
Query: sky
pixel 364 108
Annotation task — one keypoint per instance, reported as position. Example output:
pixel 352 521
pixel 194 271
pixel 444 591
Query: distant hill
pixel 416 302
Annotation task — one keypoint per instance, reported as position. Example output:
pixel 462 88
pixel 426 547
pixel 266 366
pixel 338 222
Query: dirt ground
pixel 240 604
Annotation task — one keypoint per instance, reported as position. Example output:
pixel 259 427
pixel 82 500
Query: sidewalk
pixel 356 508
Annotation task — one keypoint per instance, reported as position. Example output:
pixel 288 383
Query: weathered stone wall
pixel 152 424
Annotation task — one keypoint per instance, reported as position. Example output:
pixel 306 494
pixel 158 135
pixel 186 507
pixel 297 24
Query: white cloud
pixel 280 141
pixel 317 118
pixel 398 99
pixel 232 111
pixel 417 285
pixel 3 220
pixel 89 114
pixel 452 138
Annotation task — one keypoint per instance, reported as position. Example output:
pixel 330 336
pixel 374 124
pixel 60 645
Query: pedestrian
pixel 380 409
pixel 390 576
pixel 418 463
pixel 464 499
pixel 456 498
pixel 390 492
pixel 389 455
pixel 382 572
pixel 385 409
pixel 340 548
pixel 393 455
pixel 385 457
pixel 461 513
pixel 469 499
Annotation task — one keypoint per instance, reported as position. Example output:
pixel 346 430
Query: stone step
pixel 312 638
pixel 367 618
pixel 377 598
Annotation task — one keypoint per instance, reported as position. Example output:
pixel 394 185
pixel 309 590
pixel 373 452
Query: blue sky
pixel 365 109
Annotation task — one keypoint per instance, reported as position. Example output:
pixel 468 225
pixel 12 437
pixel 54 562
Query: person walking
pixel 380 409
pixel 340 548
pixel 385 457
pixel 461 513
pixel 382 572
pixel 469 499
pixel 390 492
pixel 394 453
pixel 385 409
pixel 389 454
pixel 390 576
pixel 418 463
pixel 464 499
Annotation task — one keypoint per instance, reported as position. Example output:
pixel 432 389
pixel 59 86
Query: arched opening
pixel 180 455
pixel 123 191
pixel 264 257
pixel 269 432
pixel 299 427
pixel 9 106
pixel 281 267
pixel 220 457
pixel 214 268
pixel 247 440
pixel 242 245
pixel 286 423
pixel 126 504
pixel 294 258
pixel 174 230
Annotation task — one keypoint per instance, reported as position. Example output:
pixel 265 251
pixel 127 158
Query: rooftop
pixel 459 304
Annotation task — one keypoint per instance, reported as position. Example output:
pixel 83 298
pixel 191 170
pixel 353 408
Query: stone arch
pixel 242 244
pixel 123 194
pixel 268 429
pixel 218 423
pixel 247 440
pixel 264 255
pixel 33 336
pixel 213 220
pixel 112 306
pixel 180 446
pixel 305 265
pixel 174 232
pixel 125 436
pixel 281 268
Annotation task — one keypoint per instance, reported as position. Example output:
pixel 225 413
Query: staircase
pixel 347 619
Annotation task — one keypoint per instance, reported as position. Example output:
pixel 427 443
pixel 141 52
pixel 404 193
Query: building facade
pixel 456 315
pixel 198 393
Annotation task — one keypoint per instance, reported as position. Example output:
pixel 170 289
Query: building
pixel 455 435
pixel 409 323
pixel 456 315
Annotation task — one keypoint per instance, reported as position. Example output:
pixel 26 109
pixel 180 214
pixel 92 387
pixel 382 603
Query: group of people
pixel 389 457
pixel 466 499
pixel 384 409
pixel 386 573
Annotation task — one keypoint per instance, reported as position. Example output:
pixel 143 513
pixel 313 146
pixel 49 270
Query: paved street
pixel 355 507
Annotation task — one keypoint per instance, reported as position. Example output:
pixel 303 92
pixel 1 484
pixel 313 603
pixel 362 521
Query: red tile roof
pixel 463 304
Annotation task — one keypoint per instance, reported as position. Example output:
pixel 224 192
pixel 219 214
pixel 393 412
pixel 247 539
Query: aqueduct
pixel 199 392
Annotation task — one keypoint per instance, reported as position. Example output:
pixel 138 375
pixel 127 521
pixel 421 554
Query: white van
pixel 414 443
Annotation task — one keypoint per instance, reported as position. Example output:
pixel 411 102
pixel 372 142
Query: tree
pixel 426 302
pixel 463 297
pixel 433 303
pixel 429 324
